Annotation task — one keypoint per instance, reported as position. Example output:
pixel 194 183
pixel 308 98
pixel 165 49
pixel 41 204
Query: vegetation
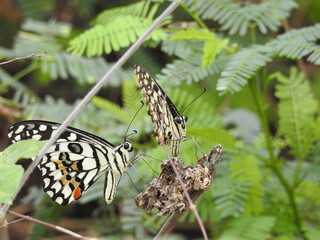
pixel 258 61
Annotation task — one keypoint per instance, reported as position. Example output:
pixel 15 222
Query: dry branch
pixel 165 192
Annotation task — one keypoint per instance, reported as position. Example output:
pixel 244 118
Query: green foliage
pixel 242 67
pixel 297 109
pixel 295 44
pixel 10 173
pixel 298 43
pixel 21 149
pixel 237 18
pixel 115 29
pixel 42 38
pixel 249 228
pixel 212 47
pixel 241 190
pixel 36 9
pixel 9 180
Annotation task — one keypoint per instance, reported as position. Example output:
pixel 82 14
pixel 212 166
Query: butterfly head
pixel 181 120
pixel 127 145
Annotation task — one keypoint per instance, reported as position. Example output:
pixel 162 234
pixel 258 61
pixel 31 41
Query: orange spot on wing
pixel 74 166
pixel 77 193
pixel 64 181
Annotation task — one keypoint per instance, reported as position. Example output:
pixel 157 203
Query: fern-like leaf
pixel 297 109
pixel 230 197
pixel 241 191
pixel 249 228
pixel 298 43
pixel 130 95
pixel 109 107
pixel 295 44
pixel 212 44
pixel 190 70
pixel 181 48
pixel 242 66
pixel 245 169
pixel 236 18
pixel 139 9
pixel 117 34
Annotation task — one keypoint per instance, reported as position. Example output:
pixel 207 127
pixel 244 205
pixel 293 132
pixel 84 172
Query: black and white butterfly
pixel 169 125
pixel 75 161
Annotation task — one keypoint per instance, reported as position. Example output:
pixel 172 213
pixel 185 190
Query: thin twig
pixel 49 225
pixel 88 97
pixel 20 58
pixel 175 216
pixel 6 223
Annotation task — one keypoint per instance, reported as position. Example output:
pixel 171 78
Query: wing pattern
pixel 169 125
pixel 75 161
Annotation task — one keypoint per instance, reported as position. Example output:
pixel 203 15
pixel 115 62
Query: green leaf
pixel 61 29
pixel 109 106
pixel 9 181
pixel 298 43
pixel 237 18
pixel 211 49
pixel 245 169
pixel 21 149
pixel 297 109
pixel 119 33
pixel 313 234
pixel 193 34
pixel 140 8
pixel 242 67
pixel 248 228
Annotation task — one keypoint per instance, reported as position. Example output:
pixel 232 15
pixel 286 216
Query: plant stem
pixel 272 161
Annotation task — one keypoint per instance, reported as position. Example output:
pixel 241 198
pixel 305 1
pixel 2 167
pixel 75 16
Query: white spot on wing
pixel 19 129
pixel 46 182
pixel 72 137
pixel 50 193
pixel 37 137
pixel 43 128
pixel 67 191
pixel 17 138
pixel 59 200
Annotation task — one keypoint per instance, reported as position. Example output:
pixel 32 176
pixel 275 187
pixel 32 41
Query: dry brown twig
pixel 49 225
pixel 165 192
pixel 25 57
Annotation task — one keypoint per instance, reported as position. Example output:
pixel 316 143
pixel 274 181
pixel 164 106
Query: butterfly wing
pixel 111 182
pixel 72 164
pixel 162 111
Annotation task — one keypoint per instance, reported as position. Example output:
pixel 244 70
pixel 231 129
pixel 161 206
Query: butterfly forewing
pixel 75 161
pixel 169 125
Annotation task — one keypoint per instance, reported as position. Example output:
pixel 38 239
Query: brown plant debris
pixel 165 192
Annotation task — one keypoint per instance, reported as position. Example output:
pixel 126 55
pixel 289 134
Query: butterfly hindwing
pixel 169 125
pixel 75 161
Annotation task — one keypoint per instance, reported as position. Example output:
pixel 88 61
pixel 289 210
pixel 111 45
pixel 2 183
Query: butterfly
pixel 75 161
pixel 169 125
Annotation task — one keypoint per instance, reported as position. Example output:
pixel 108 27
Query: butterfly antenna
pixel 204 90
pixel 126 135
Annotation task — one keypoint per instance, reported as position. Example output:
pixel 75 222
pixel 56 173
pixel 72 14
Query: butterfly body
pixel 75 161
pixel 169 125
